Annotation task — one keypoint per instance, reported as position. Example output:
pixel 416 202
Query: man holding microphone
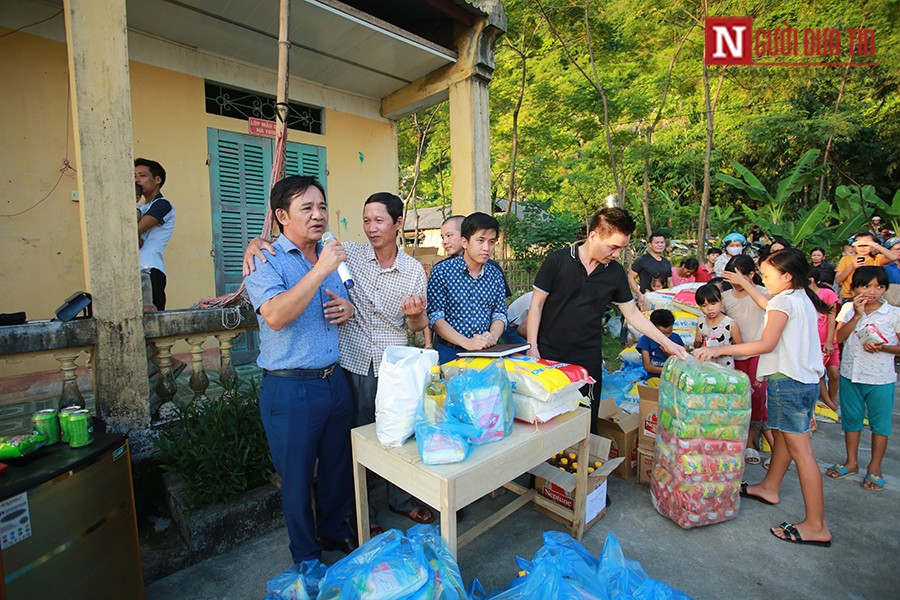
pixel 305 399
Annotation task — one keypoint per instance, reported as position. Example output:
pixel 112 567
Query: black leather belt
pixel 302 373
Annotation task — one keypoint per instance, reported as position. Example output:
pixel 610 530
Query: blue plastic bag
pixel 483 398
pixel 441 439
pixel 387 567
pixel 296 583
pixel 564 569
pixel 448 581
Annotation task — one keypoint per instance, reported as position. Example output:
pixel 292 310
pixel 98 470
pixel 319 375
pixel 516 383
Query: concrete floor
pixel 737 559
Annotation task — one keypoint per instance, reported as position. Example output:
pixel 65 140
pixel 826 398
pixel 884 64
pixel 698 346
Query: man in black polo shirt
pixel 651 265
pixel 571 292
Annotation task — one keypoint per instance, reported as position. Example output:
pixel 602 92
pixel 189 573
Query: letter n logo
pixel 728 41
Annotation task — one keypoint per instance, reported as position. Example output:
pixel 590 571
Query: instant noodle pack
pixel 704 413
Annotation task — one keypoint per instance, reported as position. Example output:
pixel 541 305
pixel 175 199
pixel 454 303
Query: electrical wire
pixel 66 169
pixel 23 27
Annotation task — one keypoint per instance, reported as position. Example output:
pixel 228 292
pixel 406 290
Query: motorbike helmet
pixel 734 237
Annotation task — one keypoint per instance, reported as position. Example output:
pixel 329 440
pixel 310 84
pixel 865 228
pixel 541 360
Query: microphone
pixel 343 271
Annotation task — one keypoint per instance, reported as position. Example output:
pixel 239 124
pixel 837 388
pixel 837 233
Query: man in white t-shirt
pixel 155 225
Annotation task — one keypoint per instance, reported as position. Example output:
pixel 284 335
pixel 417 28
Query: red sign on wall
pixel 261 127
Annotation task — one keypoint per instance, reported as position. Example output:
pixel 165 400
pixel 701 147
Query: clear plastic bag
pixel 483 398
pixel 699 459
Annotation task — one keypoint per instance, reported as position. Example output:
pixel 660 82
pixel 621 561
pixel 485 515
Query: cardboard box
pixel 622 428
pixel 559 486
pixel 645 466
pixel 649 417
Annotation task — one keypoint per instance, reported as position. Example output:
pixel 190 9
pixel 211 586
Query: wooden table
pixel 447 488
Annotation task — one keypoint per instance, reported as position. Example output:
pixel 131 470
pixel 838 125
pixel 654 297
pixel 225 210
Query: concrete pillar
pixel 470 114
pixel 470 146
pixel 96 37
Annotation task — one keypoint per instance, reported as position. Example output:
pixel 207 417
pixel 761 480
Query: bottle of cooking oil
pixel 436 390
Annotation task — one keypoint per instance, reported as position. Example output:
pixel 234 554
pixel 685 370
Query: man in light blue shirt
pixel 304 399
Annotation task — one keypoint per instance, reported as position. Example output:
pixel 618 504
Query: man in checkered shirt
pixel 389 296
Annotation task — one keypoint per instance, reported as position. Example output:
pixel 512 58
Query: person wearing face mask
pixel 734 246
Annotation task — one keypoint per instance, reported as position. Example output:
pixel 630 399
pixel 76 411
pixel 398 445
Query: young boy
pixel 706 271
pixel 651 352
pixel 868 327
pixel 466 294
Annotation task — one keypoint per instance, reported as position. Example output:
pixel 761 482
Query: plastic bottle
pixel 436 390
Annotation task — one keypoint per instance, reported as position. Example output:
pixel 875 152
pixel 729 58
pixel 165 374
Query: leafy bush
pixel 540 232
pixel 219 447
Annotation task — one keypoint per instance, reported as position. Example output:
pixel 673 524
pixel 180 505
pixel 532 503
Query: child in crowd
pixel 791 357
pixel 686 273
pixel 656 283
pixel 715 328
pixel 830 352
pixel 745 303
pixel 706 271
pixel 868 327
pixel 652 353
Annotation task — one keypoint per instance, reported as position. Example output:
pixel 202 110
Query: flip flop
pixel 745 494
pixel 792 535
pixel 416 515
pixel 877 481
pixel 751 456
pixel 839 472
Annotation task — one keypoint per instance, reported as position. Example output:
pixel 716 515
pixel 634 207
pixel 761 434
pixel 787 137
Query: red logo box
pixel 728 41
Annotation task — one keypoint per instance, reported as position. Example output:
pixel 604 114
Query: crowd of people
pixel 803 330
pixel 322 340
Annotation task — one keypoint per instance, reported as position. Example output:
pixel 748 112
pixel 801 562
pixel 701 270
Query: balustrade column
pixel 199 380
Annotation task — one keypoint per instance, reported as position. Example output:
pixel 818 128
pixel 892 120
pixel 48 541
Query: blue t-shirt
pixel 893 272
pixel 657 356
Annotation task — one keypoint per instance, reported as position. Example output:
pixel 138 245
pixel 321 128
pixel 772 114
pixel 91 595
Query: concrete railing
pixel 67 341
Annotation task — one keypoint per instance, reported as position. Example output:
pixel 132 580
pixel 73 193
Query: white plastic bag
pixel 402 377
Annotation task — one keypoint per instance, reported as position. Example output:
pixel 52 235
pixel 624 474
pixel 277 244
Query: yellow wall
pixel 42 259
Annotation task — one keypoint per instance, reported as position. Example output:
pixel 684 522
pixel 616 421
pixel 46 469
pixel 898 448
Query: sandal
pixel 751 456
pixel 767 463
pixel 839 472
pixel 873 483
pixel 419 514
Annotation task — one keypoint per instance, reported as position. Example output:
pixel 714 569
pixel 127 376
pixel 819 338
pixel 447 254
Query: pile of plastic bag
pixel 390 566
pixel 541 389
pixel 564 569
pixel 704 413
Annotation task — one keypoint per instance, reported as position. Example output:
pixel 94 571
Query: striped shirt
pixel 379 321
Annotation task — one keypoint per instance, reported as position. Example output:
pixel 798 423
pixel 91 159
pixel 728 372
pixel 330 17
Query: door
pixel 240 167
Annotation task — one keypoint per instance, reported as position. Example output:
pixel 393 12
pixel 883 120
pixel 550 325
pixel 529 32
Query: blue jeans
pixel 791 404
pixel 446 353
pixel 305 420
pixel 511 335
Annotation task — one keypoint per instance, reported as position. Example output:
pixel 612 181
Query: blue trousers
pixel 308 420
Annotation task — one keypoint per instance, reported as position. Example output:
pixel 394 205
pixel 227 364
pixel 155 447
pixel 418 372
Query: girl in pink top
pixel 686 273
pixel 830 352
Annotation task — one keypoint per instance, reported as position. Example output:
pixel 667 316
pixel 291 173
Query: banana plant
pixel 859 204
pixel 773 207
